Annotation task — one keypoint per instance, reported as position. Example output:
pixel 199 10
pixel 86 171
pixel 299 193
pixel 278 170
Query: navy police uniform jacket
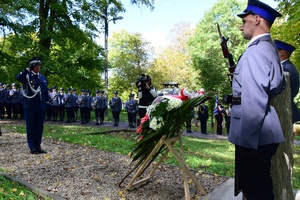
pixel 294 79
pixel 115 104
pixel 38 102
pixel 257 78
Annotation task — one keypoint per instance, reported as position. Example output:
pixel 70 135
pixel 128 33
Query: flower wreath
pixel 165 116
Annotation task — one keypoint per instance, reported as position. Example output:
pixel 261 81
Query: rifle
pixel 228 98
pixel 227 54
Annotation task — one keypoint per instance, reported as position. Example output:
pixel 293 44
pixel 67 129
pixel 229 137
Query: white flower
pixel 153 123
pixel 156 123
pixel 173 104
pixel 151 108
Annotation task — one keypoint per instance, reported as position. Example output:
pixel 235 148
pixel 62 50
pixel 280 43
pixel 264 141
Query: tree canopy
pixel 62 33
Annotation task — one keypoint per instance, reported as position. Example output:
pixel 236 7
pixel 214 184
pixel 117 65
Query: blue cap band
pixel 261 12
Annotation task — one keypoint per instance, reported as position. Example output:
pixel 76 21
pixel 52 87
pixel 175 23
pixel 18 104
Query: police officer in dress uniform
pixel 69 99
pixel 8 101
pixel 203 117
pixel 89 105
pixel 82 102
pixel 132 107
pixel 54 103
pixel 2 100
pixel 102 106
pixel 115 104
pixel 14 96
pixel 20 102
pixel 48 106
pixel 219 116
pixel 35 97
pixel 75 105
pixel 61 107
pixel 285 50
pixel 95 103
pixel 255 128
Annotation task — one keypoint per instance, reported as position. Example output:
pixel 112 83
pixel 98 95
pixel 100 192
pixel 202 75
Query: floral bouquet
pixel 165 116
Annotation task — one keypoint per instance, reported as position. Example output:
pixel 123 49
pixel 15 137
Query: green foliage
pixel 129 56
pixel 205 46
pixel 287 28
pixel 62 33
pixel 173 63
pixel 296 171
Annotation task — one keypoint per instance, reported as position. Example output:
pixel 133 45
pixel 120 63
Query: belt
pixel 236 100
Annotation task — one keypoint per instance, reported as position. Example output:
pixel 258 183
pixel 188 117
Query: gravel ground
pixel 77 172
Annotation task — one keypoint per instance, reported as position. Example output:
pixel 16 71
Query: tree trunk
pixel 282 162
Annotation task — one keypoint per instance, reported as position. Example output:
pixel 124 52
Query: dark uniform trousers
pixel 34 126
pixel 253 174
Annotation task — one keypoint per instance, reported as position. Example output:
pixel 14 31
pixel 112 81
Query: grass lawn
pixel 10 190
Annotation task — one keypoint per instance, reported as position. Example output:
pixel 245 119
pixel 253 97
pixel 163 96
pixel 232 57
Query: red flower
pixel 145 118
pixel 141 137
pixel 139 129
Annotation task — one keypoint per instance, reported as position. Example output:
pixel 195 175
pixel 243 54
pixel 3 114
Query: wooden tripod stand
pixel 179 156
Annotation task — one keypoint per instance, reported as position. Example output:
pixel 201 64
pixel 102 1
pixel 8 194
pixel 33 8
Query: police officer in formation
pixel 131 107
pixel 8 101
pixel 82 102
pixel 285 51
pixel 100 105
pixel 69 100
pixel 61 107
pixel 89 105
pixel 115 104
pixel 54 103
pixel 14 96
pixel 11 101
pixel 75 105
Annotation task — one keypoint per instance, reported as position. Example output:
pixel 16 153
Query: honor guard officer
pixel 54 102
pixel 255 128
pixel 69 99
pixel 89 105
pixel 21 102
pixel 82 103
pixel 102 105
pixel 48 106
pixel 8 101
pixel 14 95
pixel 95 105
pixel 115 104
pixel 285 50
pixel 61 107
pixel 132 107
pixel 2 100
pixel 75 105
pixel 35 98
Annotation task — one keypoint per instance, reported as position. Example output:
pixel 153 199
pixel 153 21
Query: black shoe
pixel 189 131
pixel 34 151
pixel 40 150
pixel 97 123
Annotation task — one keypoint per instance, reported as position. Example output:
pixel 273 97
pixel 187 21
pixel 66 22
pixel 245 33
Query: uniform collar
pixel 284 61
pixel 257 37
